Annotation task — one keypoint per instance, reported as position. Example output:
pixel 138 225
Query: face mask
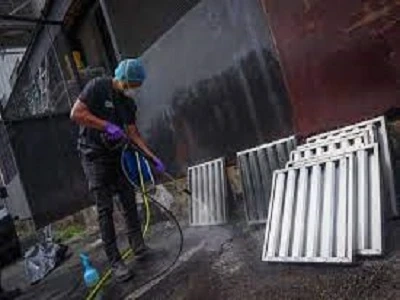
pixel 132 93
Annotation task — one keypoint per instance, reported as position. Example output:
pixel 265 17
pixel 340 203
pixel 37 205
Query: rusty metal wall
pixel 341 59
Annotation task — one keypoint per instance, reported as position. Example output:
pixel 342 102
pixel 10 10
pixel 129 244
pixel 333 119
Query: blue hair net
pixel 130 70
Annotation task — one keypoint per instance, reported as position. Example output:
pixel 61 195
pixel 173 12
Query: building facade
pixel 223 76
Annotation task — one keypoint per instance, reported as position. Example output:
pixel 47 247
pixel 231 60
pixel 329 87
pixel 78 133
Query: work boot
pixel 140 250
pixel 121 271
pixel 143 252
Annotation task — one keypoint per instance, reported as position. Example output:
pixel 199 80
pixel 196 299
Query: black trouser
pixel 106 180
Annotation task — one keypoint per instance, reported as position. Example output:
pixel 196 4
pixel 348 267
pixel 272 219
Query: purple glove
pixel 158 164
pixel 113 132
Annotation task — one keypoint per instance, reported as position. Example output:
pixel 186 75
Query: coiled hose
pixel 146 199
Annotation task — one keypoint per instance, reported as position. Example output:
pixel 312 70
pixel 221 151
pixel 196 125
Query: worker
pixel 105 111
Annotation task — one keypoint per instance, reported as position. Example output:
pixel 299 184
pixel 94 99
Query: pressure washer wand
pixel 170 177
pixel 165 173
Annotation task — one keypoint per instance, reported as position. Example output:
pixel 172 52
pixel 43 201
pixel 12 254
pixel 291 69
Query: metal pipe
pixel 4 53
pixel 22 6
pixel 30 20
pixel 111 31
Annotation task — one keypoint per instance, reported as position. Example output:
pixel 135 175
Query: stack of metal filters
pixel 326 205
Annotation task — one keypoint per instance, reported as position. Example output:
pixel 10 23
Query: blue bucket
pixel 134 163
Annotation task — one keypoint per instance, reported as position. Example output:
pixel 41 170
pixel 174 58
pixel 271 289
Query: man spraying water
pixel 105 111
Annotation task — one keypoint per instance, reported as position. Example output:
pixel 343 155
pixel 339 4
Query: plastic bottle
pixel 90 274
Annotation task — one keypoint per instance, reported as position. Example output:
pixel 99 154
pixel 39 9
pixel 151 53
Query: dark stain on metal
pixel 213 118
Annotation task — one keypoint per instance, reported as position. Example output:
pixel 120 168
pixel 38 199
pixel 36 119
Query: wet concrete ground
pixel 228 266
pixel 224 263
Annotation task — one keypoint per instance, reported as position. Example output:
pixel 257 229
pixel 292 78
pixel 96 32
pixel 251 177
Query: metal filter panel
pixel 369 202
pixel 310 217
pixel 368 195
pixel 256 167
pixel 385 157
pixel 331 147
pixel 207 183
pixel 340 134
